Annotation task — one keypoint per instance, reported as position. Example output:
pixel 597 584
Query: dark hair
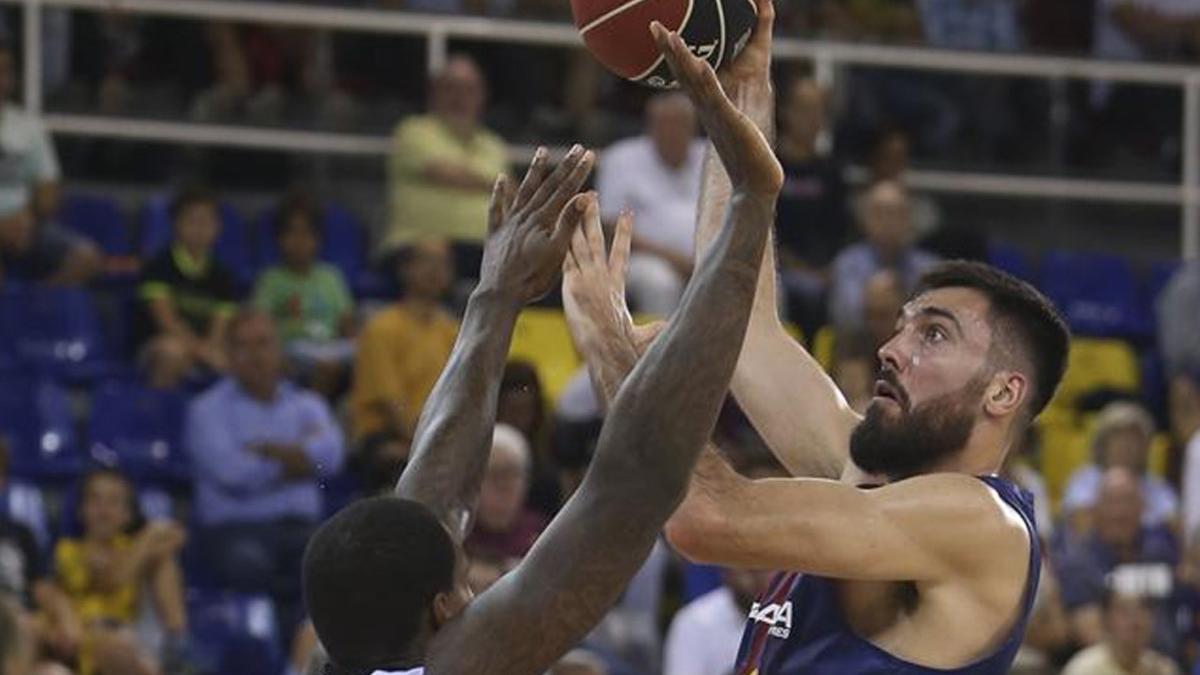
pixel 188 197
pixel 297 204
pixel 1022 316
pixel 136 519
pixel 370 575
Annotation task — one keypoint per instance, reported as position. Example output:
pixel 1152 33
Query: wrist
pixel 490 296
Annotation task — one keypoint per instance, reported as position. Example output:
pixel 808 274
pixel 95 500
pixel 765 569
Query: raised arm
pixel 521 261
pixel 784 392
pixel 662 416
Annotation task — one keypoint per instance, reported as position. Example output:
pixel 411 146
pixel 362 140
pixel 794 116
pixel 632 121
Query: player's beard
pixel 916 440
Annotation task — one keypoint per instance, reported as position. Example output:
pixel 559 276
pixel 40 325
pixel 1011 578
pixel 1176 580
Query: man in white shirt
pixel 704 636
pixel 657 176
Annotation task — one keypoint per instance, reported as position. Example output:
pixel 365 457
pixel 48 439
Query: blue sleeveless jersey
pixel 797 628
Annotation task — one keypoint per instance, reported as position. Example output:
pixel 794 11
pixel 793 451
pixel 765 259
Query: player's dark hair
pixel 188 197
pixel 297 204
pixel 370 575
pixel 1020 316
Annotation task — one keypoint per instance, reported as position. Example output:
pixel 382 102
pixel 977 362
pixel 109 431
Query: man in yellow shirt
pixel 401 353
pixel 443 164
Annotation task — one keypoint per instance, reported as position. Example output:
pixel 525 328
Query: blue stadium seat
pixel 1010 259
pixel 699 579
pixel 236 633
pixel 35 417
pixel 1097 293
pixel 100 219
pixel 235 246
pixel 139 430
pixel 22 502
pixel 55 331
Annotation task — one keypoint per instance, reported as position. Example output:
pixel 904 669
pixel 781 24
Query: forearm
pixel 452 440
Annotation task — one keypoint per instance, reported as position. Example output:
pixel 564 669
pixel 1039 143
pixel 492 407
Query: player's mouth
pixel 887 391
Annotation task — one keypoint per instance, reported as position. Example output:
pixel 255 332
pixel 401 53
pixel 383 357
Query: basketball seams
pixel 658 62
pixel 609 14
pixel 724 46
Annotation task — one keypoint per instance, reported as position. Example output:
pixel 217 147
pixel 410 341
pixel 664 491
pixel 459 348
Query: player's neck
pixel 983 455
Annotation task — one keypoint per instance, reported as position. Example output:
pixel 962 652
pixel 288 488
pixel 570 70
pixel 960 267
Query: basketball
pixel 617 32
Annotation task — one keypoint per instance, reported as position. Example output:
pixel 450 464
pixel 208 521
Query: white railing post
pixel 1191 168
pixel 33 56
pixel 436 49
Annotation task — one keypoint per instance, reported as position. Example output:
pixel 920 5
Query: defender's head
pixel 975 352
pixel 379 579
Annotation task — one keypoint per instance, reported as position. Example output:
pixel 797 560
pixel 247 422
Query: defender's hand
pixel 744 151
pixel 530 227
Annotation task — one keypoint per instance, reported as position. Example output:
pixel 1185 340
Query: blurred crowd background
pixel 211 339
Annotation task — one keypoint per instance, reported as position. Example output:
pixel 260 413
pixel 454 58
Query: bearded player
pixel 906 553
pixel 385 579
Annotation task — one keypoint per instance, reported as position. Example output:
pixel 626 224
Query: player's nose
pixel 890 356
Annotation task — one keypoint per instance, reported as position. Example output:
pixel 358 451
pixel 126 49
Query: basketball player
pixel 385 579
pixel 917 558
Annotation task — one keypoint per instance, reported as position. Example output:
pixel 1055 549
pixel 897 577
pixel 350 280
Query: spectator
pixel 888 245
pixel 443 166
pixel 308 299
pixel 522 406
pixel 41 252
pixel 401 353
pixel 504 527
pixel 104 571
pixel 187 296
pixel 891 160
pixel 258 446
pixel 1121 437
pixel 1143 30
pixel 813 220
pixel 1019 467
pixel 1184 403
pixel 657 176
pixel 883 298
pixel 854 369
pixel 1128 623
pixel 1119 538
pixel 705 635
pixel 1048 633
pixel 983 25
pixel 1178 322
pixel 29 165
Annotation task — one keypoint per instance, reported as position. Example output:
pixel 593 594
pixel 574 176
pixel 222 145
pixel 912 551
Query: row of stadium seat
pixel 244 246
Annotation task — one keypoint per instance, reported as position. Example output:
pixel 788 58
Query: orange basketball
pixel 617 32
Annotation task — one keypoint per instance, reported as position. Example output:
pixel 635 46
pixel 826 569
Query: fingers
pixel 568 228
pixel 618 258
pixel 565 181
pixel 766 16
pixel 498 207
pixel 594 232
pixel 534 176
pixel 694 74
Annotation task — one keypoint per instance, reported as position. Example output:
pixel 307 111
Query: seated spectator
pixel 991 25
pixel 187 296
pixel 1048 633
pixel 854 369
pixel 1178 322
pixel 1126 647
pixel 812 220
pixel 1184 404
pixel 1019 467
pixel 308 299
pixel 1119 538
pixel 105 571
pixel 504 526
pixel 883 298
pixel 443 166
pixel 522 406
pixel 258 446
pixel 401 352
pixel 657 176
pixel 705 635
pixel 1121 437
pixel 888 244
pixel 43 252
pixel 891 160
pixel 1145 30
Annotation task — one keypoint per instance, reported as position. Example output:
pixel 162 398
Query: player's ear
pixel 1005 394
pixel 443 608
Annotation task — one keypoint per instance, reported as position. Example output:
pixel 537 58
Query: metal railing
pixel 827 57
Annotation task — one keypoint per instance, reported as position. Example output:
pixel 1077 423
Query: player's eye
pixel 934 334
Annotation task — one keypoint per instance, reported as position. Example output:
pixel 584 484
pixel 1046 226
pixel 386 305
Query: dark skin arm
pixel 659 421
pixel 521 262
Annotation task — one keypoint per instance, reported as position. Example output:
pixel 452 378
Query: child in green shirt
pixel 307 298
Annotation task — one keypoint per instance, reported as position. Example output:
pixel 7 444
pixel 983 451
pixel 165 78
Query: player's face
pixel 929 393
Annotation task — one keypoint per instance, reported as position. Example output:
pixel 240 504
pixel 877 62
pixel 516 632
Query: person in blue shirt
pixel 258 446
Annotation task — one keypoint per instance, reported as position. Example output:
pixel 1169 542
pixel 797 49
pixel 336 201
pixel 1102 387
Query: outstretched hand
pixel 530 226
pixel 744 151
pixel 752 67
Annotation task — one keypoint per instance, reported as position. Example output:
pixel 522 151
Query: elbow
pixel 695 531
